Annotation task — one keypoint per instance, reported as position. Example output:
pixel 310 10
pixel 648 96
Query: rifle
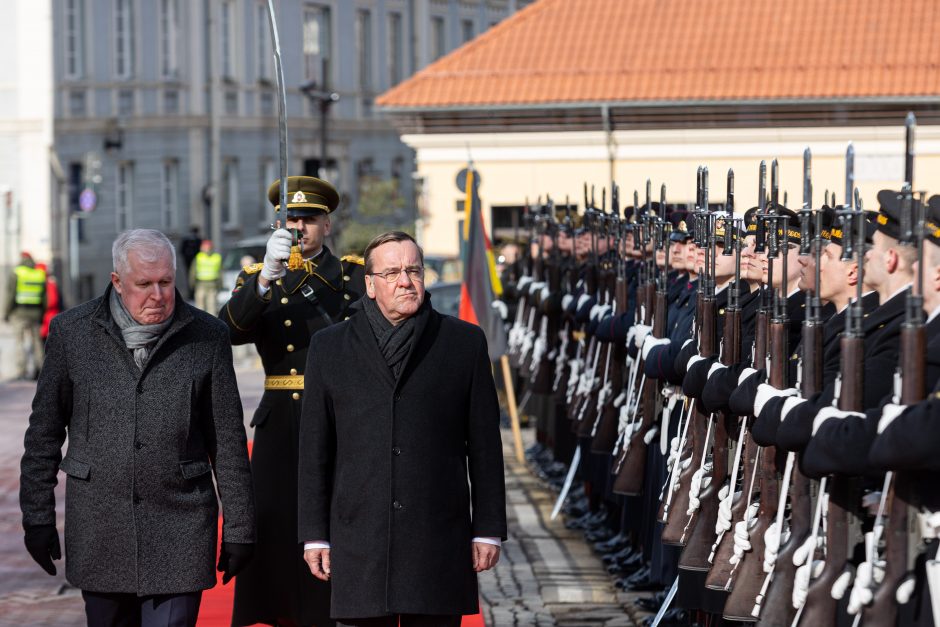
pixel 747 587
pixel 630 466
pixel 883 610
pixel 677 526
pixel 776 607
pixel 820 607
pixel 698 549
pixel 723 572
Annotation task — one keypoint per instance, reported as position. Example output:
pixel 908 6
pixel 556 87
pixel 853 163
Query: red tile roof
pixel 675 51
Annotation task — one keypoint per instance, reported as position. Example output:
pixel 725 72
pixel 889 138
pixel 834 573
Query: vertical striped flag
pixel 481 284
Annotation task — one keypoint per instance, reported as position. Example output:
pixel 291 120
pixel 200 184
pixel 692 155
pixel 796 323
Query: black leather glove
pixel 42 542
pixel 233 558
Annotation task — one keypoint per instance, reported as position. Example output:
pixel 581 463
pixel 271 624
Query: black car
pixel 445 297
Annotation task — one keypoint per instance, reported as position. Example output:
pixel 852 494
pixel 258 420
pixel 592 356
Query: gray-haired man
pixel 143 386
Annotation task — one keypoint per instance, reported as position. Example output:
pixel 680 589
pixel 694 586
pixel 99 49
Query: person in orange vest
pixel 205 275
pixel 24 307
pixel 53 301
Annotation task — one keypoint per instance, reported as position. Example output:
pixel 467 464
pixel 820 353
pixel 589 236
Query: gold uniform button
pixel 287 323
pixel 345 278
pixel 290 348
pixel 279 282
pixel 295 396
pixel 346 318
pixel 293 371
pixel 284 301
pixel 346 296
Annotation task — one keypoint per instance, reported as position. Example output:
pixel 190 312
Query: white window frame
pixel 125 39
pixel 170 39
pixel 170 194
pixel 74 20
pixel 264 47
pixel 124 196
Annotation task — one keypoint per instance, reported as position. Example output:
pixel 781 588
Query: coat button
pixel 138 445
pixel 140 388
pixel 396 451
pixel 284 300
pixel 287 323
pixel 295 396
pixel 293 371
pixel 398 397
pixel 346 318
pixel 396 505
pixel 279 282
pixel 346 296
pixel 290 348
pixel 136 500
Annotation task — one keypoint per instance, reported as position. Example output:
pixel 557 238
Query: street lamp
pixel 324 99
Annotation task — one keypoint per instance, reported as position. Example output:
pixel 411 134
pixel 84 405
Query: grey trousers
pixel 26 340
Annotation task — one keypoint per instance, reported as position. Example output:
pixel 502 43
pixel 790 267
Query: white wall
pixel 516 166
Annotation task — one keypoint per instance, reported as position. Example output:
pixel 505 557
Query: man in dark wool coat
pixel 277 309
pixel 399 412
pixel 143 386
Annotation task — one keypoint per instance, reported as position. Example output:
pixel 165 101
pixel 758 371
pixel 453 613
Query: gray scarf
pixel 139 338
pixel 394 340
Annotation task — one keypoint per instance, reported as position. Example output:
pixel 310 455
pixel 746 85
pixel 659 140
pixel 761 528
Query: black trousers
pixel 119 609
pixel 405 620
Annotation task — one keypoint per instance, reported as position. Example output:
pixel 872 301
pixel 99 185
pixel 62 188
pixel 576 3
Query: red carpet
pixel 216 607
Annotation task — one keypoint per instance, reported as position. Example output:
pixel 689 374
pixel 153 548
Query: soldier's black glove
pixel 42 542
pixel 233 558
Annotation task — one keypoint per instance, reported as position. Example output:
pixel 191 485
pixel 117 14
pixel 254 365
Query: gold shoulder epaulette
pixel 354 259
pixel 253 268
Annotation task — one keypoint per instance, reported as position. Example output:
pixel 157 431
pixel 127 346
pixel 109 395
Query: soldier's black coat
pixel 384 467
pixel 277 582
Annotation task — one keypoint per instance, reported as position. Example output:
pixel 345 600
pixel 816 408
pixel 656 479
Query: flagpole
pixel 513 409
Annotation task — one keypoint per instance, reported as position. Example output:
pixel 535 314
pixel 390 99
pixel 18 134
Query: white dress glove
pixel 766 392
pixel 651 342
pixel 276 253
pixel 832 412
pixel 642 330
pixel 888 414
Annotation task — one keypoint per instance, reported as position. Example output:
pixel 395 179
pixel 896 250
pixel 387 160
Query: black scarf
pixel 395 341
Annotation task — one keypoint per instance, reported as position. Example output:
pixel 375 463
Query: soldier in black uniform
pixel 278 309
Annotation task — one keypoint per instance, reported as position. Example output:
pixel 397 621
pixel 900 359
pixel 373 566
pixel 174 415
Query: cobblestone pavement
pixel 547 575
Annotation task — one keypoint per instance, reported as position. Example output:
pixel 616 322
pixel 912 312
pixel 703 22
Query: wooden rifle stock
pixel 883 610
pixel 605 437
pixel 750 575
pixel 820 607
pixel 674 533
pixel 777 609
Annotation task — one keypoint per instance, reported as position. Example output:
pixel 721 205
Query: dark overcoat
pixel 400 475
pixel 277 582
pixel 141 514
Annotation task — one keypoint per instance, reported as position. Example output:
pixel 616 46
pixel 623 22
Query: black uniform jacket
pixel 881 329
pixel 385 463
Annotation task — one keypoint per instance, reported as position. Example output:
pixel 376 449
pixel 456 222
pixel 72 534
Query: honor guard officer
pixel 278 309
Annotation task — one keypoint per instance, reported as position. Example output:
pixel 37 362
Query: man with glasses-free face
pixel 399 422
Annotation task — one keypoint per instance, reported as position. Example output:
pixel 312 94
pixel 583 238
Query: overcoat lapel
pixel 368 349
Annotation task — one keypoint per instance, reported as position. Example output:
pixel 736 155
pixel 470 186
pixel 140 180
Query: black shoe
pixel 640 582
pixel 601 534
pixel 613 544
pixel 623 553
pixel 653 603
pixel 631 563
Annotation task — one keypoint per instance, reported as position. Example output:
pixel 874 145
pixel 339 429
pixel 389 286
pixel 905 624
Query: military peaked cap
pixel 306 196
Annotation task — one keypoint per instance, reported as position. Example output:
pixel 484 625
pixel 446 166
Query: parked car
pixel 439 268
pixel 445 297
pixel 234 258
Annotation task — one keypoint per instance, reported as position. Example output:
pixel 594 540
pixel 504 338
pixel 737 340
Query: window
pixel 124 38
pixel 396 48
pixel 77 106
pixel 317 44
pixel 466 30
pixel 227 40
pixel 231 103
pixel 74 38
pixel 230 193
pixel 125 102
pixel 268 176
pixel 364 49
pixel 438 40
pixel 124 196
pixel 171 102
pixel 170 194
pixel 267 103
pixel 169 38
pixel 265 51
